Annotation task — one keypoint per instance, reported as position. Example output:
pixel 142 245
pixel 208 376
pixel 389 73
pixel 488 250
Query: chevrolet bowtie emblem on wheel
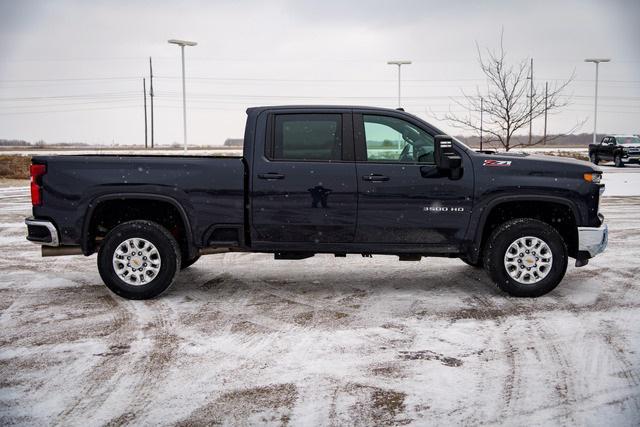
pixel 497 163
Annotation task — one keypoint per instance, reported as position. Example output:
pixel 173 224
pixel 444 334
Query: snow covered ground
pixel 244 339
pixel 621 181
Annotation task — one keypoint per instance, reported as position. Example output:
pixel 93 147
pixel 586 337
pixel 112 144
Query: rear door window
pixel 307 137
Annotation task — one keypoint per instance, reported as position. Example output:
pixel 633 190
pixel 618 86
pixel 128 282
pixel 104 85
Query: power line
pixel 85 96
pixel 278 79
pixel 69 79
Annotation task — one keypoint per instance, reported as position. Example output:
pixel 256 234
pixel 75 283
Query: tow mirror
pixel 446 157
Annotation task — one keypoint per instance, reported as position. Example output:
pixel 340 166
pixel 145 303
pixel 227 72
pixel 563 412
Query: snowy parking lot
pixel 244 339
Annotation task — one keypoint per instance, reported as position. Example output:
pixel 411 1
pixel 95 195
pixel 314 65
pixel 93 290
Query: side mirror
pixel 445 156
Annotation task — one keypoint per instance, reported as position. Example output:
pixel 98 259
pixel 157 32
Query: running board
pixel 61 250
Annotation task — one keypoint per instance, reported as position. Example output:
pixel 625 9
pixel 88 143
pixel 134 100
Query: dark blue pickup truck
pixel 322 179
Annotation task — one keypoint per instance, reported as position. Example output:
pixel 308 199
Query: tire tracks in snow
pixel 118 368
pixel 99 381
pixel 156 362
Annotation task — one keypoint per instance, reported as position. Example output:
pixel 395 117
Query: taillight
pixel 36 172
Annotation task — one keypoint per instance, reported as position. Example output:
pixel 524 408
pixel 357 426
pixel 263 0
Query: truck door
pixel 304 180
pixel 607 145
pixel 402 199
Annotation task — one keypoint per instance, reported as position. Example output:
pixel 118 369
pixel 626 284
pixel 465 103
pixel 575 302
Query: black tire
pixel 594 159
pixel 617 160
pixel 168 252
pixel 498 244
pixel 477 264
pixel 189 263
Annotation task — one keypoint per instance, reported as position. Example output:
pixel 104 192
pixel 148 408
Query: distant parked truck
pixel 619 149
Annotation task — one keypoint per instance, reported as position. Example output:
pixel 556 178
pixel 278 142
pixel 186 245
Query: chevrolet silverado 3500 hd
pixel 322 179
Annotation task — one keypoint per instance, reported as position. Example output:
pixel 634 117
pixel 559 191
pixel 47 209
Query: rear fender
pixel 88 247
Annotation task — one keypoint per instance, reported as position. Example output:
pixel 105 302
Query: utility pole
pixel 546 106
pixel 596 61
pixel 399 64
pixel 151 96
pixel 530 99
pixel 481 120
pixel 144 93
pixel 182 44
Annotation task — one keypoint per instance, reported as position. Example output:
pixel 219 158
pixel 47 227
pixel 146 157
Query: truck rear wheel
pixel 139 259
pixel 594 159
pixel 526 257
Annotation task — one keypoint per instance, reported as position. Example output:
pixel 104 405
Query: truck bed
pixel 209 189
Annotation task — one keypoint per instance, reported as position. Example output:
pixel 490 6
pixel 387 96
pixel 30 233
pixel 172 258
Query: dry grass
pixel 15 167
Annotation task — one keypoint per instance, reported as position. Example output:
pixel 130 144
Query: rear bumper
pixel 42 232
pixel 593 240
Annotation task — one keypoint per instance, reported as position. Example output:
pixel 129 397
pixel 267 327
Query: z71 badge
pixel 497 163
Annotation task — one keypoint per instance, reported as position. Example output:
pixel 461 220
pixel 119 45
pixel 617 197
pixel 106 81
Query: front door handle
pixel 374 177
pixel 271 175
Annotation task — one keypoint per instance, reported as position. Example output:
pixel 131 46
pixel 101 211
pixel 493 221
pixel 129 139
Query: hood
pixel 538 163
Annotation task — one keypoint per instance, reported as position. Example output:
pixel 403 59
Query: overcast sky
pixel 72 70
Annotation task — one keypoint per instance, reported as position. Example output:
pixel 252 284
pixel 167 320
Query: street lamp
pixel 182 44
pixel 596 61
pixel 399 64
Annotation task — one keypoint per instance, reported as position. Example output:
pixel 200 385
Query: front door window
pixel 390 139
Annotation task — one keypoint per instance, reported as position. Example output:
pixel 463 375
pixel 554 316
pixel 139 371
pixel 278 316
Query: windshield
pixel 628 139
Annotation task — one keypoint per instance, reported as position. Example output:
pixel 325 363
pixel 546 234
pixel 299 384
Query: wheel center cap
pixel 529 261
pixel 136 262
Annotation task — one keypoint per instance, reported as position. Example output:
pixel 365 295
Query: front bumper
pixel 633 157
pixel 593 240
pixel 42 232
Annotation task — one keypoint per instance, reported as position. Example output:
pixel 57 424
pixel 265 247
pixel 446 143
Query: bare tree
pixel 506 103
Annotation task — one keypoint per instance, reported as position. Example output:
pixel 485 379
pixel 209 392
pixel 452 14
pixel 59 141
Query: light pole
pixel 596 61
pixel 182 44
pixel 399 64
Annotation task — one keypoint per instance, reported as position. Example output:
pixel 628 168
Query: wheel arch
pixel 488 211
pixel 87 243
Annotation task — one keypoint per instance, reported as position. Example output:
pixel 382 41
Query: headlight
pixel 594 177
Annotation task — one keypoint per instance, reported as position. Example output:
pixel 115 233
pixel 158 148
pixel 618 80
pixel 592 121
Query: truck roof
pixel 322 107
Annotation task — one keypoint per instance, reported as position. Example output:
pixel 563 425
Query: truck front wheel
pixel 139 259
pixel 617 160
pixel 526 257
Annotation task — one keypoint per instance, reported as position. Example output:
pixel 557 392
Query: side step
pixel 409 257
pixel 61 250
pixel 293 255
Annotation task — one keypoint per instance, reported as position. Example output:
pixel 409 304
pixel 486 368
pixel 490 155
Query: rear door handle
pixel 271 175
pixel 374 177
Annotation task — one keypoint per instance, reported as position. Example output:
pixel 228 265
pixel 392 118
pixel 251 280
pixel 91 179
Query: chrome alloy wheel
pixel 136 261
pixel 528 260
